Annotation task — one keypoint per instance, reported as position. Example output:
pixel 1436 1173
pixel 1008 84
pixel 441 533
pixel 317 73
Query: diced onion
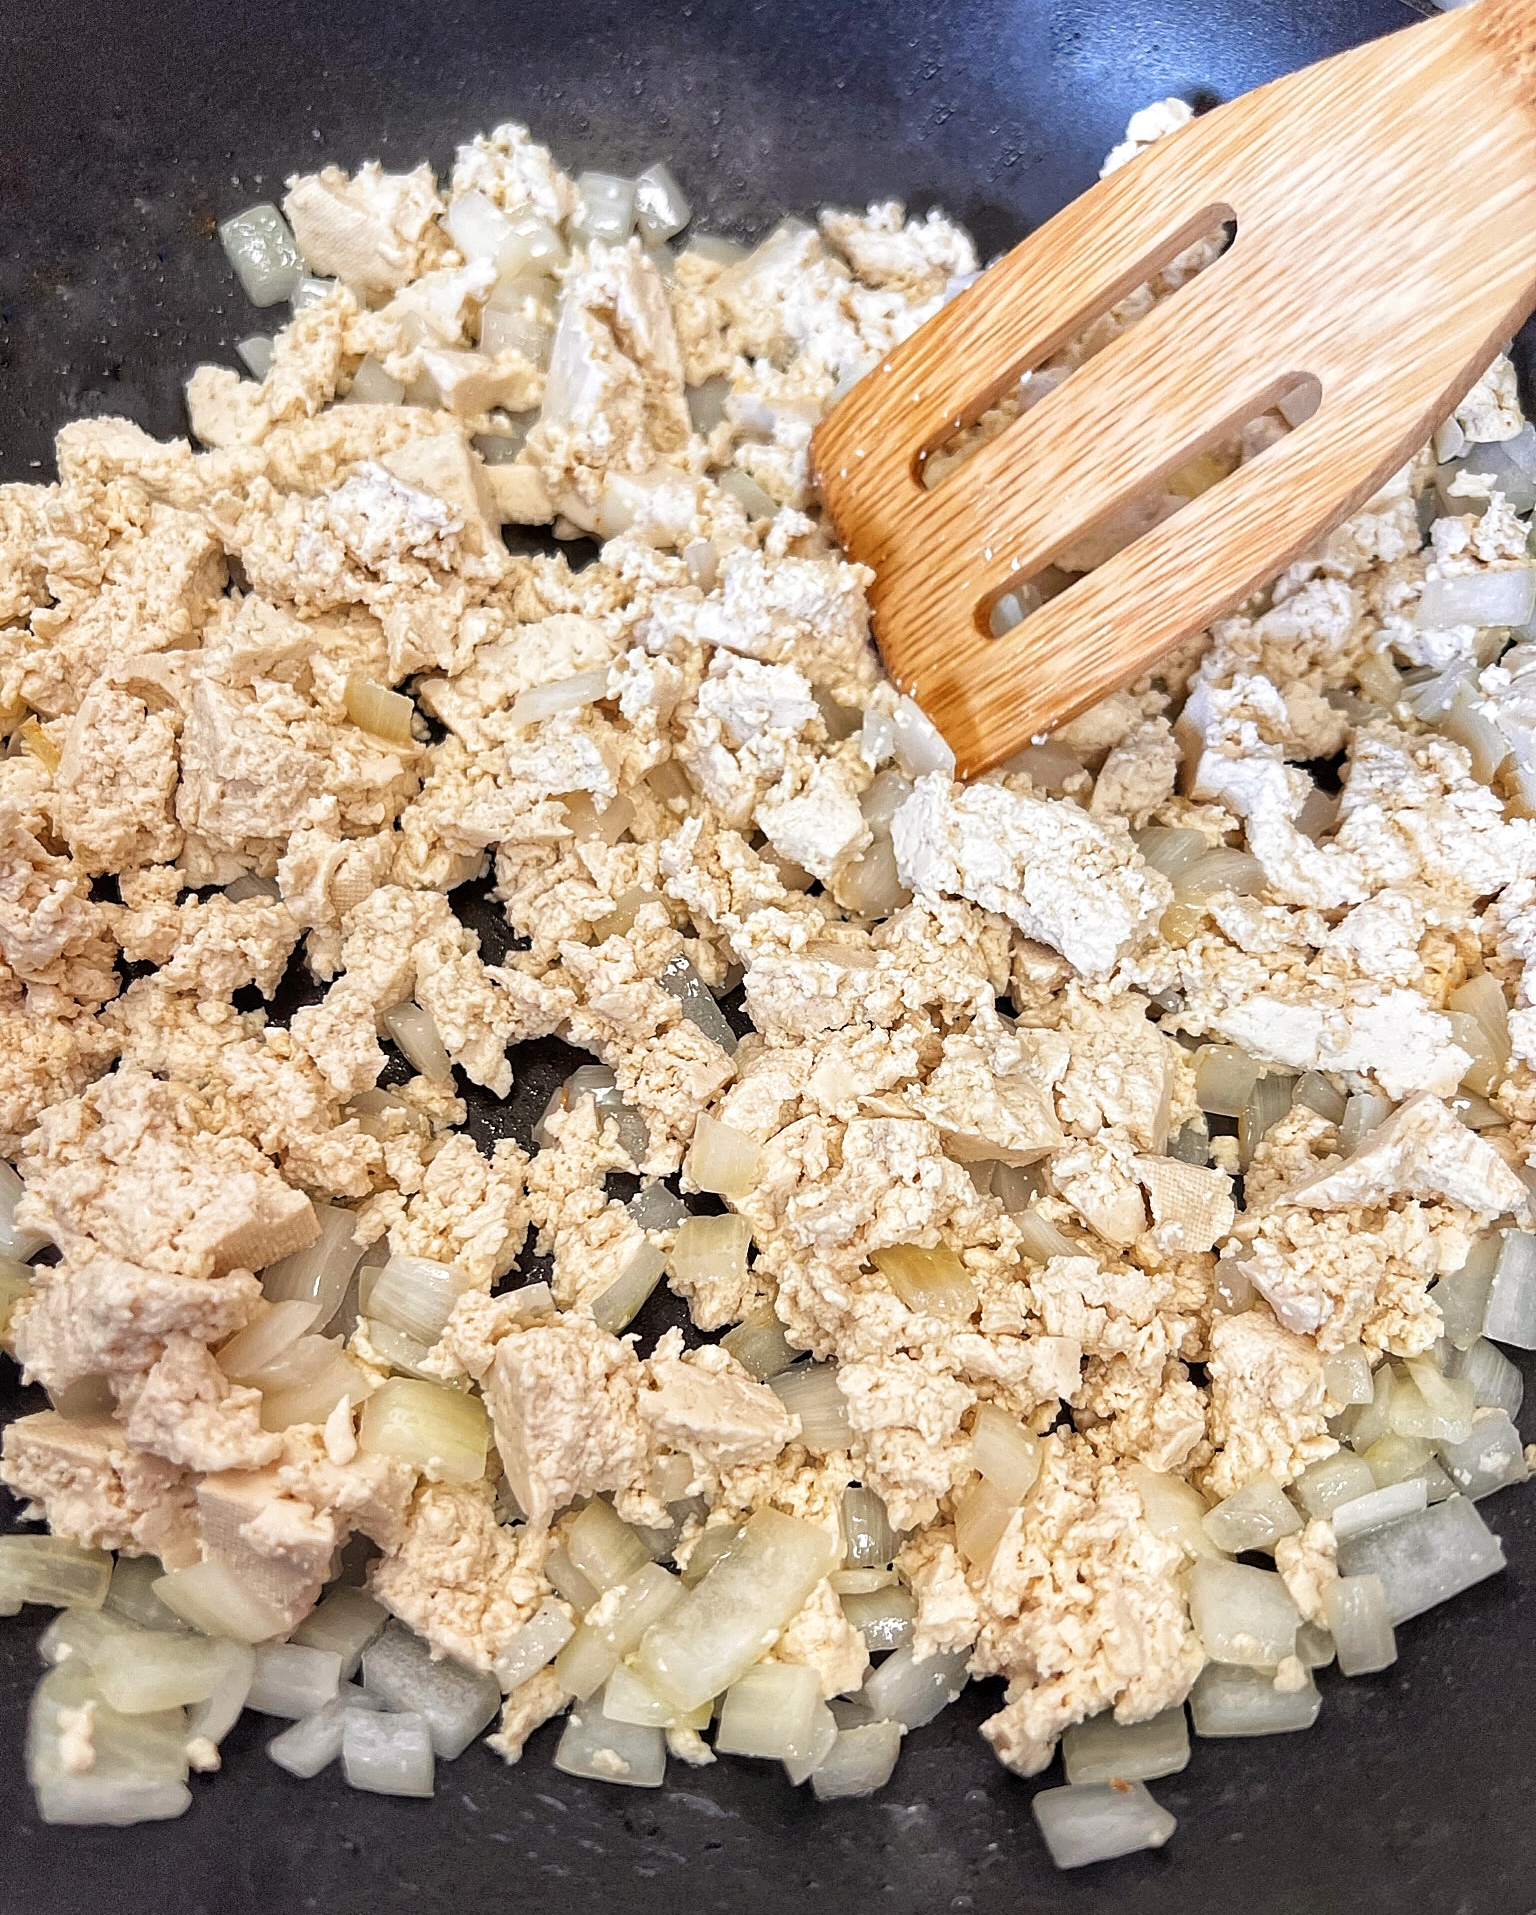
pixel 759 1344
pixel 568 1582
pixel 1378 1506
pixel 140 1671
pixel 661 206
pixel 1425 1559
pixel 871 1539
pixel 531 246
pixel 1254 1517
pixel 603 1547
pixel 441 1432
pixel 607 209
pixel 539 702
pixel 534 1647
pixel 419 1041
pixel 345 1621
pixel 1229 1700
pixel 810 1391
pixel 1173 1509
pixel 1268 1102
pixel 935 1282
pixel 1007 1454
pixel 293 1680
pixel 1506 597
pixel 720 1627
pixel 1336 1479
pixel 260 245
pixel 885 1618
pixel 982 1513
pixel 769 1711
pixel 871 886
pixel 315 1742
pixel 627 1699
pixel 859 1762
pixel 1242 1615
pixel 372 386
pixel 1315 1091
pixel 1039 1238
pixel 52 1570
pixel 906 1691
pixel 1428 1404
pixel 15 1243
pixel 139 1763
pixel 595 1746
pixel 616 1307
pixel 307 1382
pixel 1103 1750
pixel 919 745
pixel 1358 1618
pixel 212 1598
pixel 1224 1079
pixel 1219 869
pixel 1490 1457
pixel 720 1158
pixel 254 1349
pixel 1496 1383
pixel 476 225
pixel 387 1754
pixel 454 1702
pixel 748 494
pixel 414 1294
pixel 614 1626
pixel 1511 1313
pixel 15 1284
pixel 255 354
pixel 1347 1375
pixel 1393 1458
pixel 376 709
pixel 1171 850
pixel 132 1593
pixel 1097 1821
pixel 678 977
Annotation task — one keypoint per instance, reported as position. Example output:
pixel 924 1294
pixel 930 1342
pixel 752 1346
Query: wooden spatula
pixel 1385 210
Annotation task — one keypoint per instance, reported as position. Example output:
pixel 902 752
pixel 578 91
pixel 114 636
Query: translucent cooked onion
pixel 1254 1517
pixel 809 1391
pixel 346 1620
pixel 454 1702
pixel 15 1285
pixel 859 1762
pixel 626 1698
pixel 372 386
pixel 711 1250
pixel 534 1647
pixel 1103 1750
pixel 307 1383
pixel 531 247
pixel 613 1627
pixel 212 1598
pixel 255 354
pixel 1511 1313
pixel 661 206
pixel 1218 869
pixel 593 1745
pixel 721 1159
pixel 1505 597
pixel 617 1306
pixel 1364 1112
pixel 441 1432
pixel 1360 1622
pixel 539 702
pixel 919 745
pixel 1393 1458
pixel 567 1581
pixel 678 977
pixel 885 1618
pixel 910 1693
pixel 769 1712
pixel 139 1763
pixel 316 1741
pixel 1430 1405
pixel 1336 1479
pixel 1378 1506
pixel 607 208
pixel 15 1243
pixel 720 1627
pixel 52 1570
pixel 253 1350
pixel 872 1541
pixel 419 1041
pixel 1229 1700
pixel 1224 1079
pixel 376 709
pixel 871 886
pixel 476 225
pixel 387 1754
pixel 260 245
pixel 131 1593
pixel 1007 1454
pixel 1496 1383
pixel 1039 1238
pixel 1489 1458
pixel 934 1282
pixel 293 1680
pixel 603 1547
pixel 414 1294
pixel 760 1345
pixel 1242 1615
pixel 1467 723
pixel 1171 850
pixel 1097 1821
pixel 140 1671
pixel 1173 1508
pixel 1425 1559
pixel 1315 1091
pixel 982 1514
pixel 1347 1376
pixel 1268 1101
pixel 748 494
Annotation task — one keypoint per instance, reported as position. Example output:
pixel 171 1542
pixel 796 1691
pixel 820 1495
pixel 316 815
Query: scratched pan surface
pixel 125 130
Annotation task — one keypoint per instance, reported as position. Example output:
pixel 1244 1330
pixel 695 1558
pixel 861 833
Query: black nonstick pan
pixel 126 130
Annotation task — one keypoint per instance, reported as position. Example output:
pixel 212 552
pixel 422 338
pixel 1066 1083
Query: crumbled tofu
pixel 820 1637
pixel 1267 1398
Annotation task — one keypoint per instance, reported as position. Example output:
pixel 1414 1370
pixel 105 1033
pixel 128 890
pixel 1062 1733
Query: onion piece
pixel 568 1582
pixel 614 1625
pixel 607 208
pixel 255 354
pixel 142 1671
pixel 1491 1457
pixel 1429 1405
pixel 1171 850
pixel 661 206
pixel 872 1541
pixel 933 1282
pixel 132 1595
pixel 711 1250
pixel 603 1547
pixel 1103 1750
pixel 1355 1608
pixel 534 1647
pixel 919 746
pixel 1335 1479
pixel 387 1754
pixel 720 1158
pixel 307 1382
pixel 1511 1313
pixel 212 1719
pixel 982 1514
pixel 1268 1102
pixel 1242 1615
pixel 374 708
pixel 212 1598
pixel 15 1284
pixel 1425 1559
pixel 260 1344
pixel 617 1306
pixel 346 1620
pixel 315 1742
pixel 532 246
pixel 759 1343
pixel 372 386
pixel 1496 1383
pixel 539 702
pixel 1229 1700
pixel 678 977
pixel 292 1680
pixel 859 1762
pixel 1393 1459
pixel 908 1692
pixel 17 1244
pixel 419 1041
pixel 1173 1509
pixel 1378 1506
pixel 595 1746
pixel 139 1763
pixel 809 1391
pixel 260 245
pixel 885 1618
pixel 716 1543
pixel 1224 1079
pixel 51 1570
pixel 442 1432
pixel 414 1294
pixel 1347 1376
pixel 455 1703
pixel 715 1633
pixel 1097 1821
pixel 819 1741
pixel 1007 1454
pixel 769 1711
pixel 748 494
pixel 627 1699
pixel 1040 1239
pixel 1506 597
pixel 1254 1517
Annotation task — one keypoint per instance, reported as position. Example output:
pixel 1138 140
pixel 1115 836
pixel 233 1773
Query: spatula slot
pixel 1046 365
pixel 1289 403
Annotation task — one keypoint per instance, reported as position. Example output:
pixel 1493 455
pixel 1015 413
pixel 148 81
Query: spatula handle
pixel 1509 26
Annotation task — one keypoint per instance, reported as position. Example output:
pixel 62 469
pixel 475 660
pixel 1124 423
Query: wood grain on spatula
pixel 1385 207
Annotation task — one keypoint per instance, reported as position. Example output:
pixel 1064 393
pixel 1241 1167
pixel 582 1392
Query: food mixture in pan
pixel 1099 1205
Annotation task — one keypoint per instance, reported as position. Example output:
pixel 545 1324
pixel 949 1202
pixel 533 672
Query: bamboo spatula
pixel 1385 211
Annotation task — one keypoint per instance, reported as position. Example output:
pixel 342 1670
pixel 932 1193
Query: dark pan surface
pixel 125 130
